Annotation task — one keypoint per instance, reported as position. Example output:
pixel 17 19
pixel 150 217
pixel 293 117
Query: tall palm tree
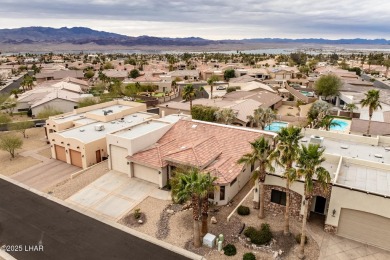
pixel 189 93
pixel 387 65
pixel 251 120
pixel 226 115
pixel 261 150
pixel 188 186
pixel 285 154
pixel 351 107
pixel 211 82
pixel 372 102
pixel 298 105
pixel 310 159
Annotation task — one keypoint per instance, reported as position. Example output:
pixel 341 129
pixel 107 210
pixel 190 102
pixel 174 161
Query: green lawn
pixel 159 94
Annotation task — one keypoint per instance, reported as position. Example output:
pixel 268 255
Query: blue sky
pixel 212 19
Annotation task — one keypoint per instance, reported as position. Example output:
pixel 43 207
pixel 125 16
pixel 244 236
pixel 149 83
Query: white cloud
pixel 213 19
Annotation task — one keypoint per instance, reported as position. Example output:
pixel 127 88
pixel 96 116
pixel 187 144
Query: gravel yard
pixel 180 226
pixel 69 187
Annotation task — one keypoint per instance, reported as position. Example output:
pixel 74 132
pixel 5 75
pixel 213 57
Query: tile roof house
pixel 207 146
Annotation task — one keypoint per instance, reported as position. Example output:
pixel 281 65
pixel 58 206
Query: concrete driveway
pixel 115 194
pixel 45 175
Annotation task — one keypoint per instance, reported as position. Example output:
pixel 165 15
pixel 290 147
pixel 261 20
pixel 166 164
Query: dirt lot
pixel 35 140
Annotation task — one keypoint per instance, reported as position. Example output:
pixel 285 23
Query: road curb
pixel 4 255
pixel 105 220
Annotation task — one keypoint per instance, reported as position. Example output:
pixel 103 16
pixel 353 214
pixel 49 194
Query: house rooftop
pixel 141 129
pixel 114 109
pixel 88 133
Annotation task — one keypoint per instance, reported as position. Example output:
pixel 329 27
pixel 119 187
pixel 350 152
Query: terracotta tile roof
pixel 214 147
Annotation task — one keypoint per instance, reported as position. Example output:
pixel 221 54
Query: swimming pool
pixel 343 125
pixel 275 126
pixel 307 93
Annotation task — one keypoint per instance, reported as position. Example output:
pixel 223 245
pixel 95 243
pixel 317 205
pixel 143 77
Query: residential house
pixel 356 204
pixel 79 138
pixel 152 151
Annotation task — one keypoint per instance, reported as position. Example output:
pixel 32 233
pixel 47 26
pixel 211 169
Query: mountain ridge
pixel 85 35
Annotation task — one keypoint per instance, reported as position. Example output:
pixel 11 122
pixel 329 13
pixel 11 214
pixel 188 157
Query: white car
pixel 221 88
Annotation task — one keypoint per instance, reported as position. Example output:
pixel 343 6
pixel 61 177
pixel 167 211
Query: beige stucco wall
pixel 59 104
pixel 351 199
pixel 170 111
pixel 88 151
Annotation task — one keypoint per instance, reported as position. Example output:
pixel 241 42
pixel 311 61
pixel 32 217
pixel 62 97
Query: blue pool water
pixel 275 126
pixel 341 127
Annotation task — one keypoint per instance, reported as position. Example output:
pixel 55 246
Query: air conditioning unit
pixel 99 127
pixel 315 139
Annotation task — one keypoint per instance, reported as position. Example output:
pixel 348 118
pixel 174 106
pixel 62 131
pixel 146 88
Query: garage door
pixel 365 227
pixel 118 159
pixel 146 173
pixel 60 153
pixel 75 158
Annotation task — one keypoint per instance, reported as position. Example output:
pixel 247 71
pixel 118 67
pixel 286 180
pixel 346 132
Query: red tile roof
pixel 212 147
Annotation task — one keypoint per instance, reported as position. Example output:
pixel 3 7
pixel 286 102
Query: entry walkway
pixel 333 247
pixel 115 194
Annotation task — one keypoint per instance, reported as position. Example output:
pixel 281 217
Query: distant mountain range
pixel 83 35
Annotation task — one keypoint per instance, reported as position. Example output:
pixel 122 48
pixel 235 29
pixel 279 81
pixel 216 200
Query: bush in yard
pixel 137 213
pixel 298 238
pixel 230 250
pixel 249 231
pixel 243 211
pixel 249 256
pixel 259 237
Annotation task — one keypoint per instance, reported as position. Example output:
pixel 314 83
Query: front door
pixel 98 156
pixel 320 205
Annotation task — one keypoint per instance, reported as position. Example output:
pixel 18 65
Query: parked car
pixel 221 88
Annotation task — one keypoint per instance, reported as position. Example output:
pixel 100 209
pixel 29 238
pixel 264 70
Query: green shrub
pixel 137 213
pixel 230 250
pixel 259 237
pixel 298 238
pixel 249 256
pixel 230 89
pixel 249 231
pixel 243 211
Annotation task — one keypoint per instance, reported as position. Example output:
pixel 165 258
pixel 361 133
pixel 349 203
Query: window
pixel 234 181
pixel 222 193
pixel 252 167
pixel 278 197
pixel 211 195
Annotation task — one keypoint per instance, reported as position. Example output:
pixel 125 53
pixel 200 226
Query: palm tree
pixel 189 92
pixel 206 186
pixel 187 185
pixel 285 154
pixel 263 117
pixel 372 102
pixel 28 82
pixel 261 150
pixel 251 120
pixel 201 90
pixel 211 82
pixel 387 65
pixel 298 105
pixel 225 115
pixel 351 107
pixel 310 158
pixel 327 123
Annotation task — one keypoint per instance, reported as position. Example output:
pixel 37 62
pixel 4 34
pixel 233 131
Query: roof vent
pixel 82 130
pixel 99 127
pixel 194 126
pixel 135 115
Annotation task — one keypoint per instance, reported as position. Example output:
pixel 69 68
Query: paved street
pixel 26 219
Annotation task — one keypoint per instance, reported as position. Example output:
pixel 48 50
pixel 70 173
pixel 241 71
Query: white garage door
pixel 365 227
pixel 118 159
pixel 146 173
